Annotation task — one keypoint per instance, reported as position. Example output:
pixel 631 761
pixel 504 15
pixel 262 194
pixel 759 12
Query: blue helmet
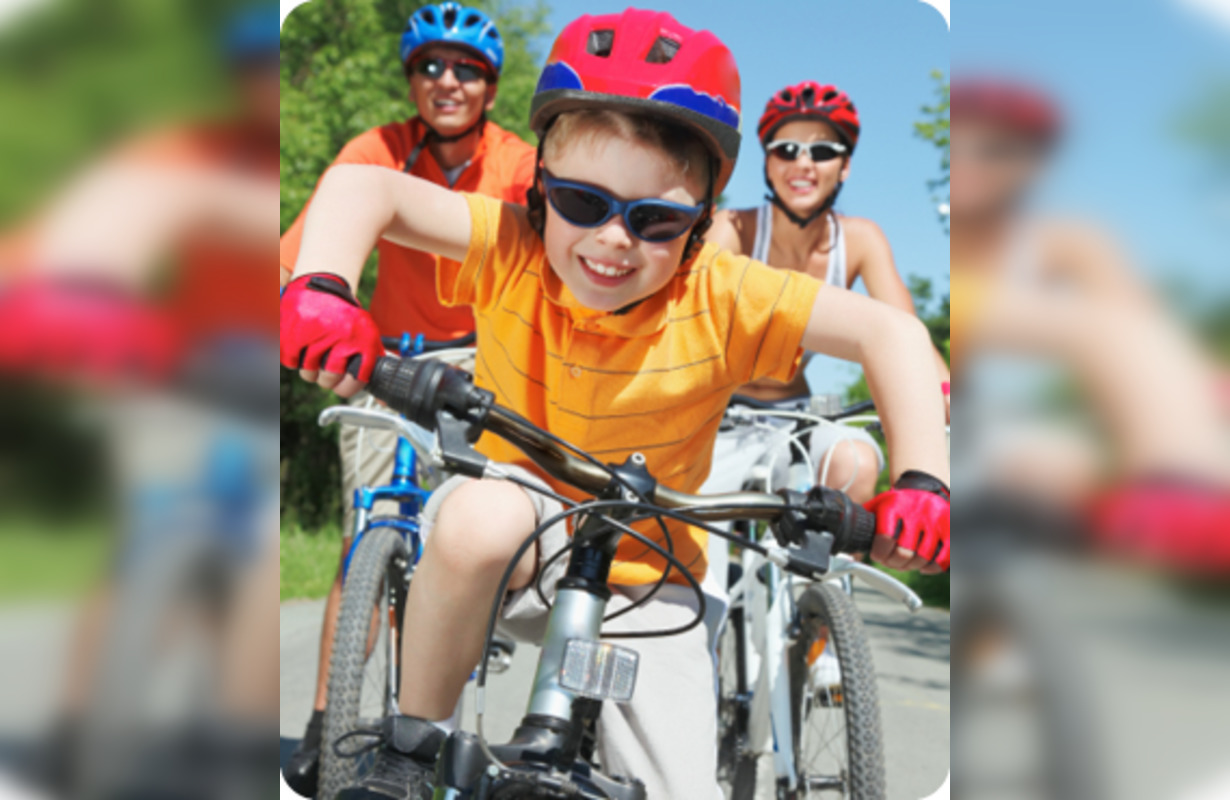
pixel 453 23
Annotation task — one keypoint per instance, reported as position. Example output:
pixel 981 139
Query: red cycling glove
pixel 74 329
pixel 915 514
pixel 1166 523
pixel 323 327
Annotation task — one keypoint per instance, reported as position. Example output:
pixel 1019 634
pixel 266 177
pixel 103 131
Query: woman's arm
pixel 355 206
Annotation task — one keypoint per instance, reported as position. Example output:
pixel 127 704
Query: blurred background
pixel 1091 294
pixel 138 437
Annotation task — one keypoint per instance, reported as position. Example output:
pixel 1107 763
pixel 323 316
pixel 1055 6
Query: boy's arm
pixel 323 327
pixel 894 349
pixel 371 147
pixel 355 206
pixel 878 270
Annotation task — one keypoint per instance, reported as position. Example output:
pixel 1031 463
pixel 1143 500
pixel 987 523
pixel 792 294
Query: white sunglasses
pixel 788 150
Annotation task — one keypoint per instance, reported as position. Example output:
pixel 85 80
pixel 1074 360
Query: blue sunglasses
pixel 588 207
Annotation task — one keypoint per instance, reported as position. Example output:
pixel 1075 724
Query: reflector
pixel 599 670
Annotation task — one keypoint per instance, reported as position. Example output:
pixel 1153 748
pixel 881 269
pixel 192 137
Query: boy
pixel 602 318
pixel 451 56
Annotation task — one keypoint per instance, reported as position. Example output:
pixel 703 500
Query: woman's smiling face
pixel 607 268
pixel 803 184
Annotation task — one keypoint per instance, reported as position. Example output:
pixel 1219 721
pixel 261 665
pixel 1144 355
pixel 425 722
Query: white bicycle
pixel 795 673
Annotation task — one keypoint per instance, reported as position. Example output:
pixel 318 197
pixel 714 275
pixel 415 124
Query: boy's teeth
pixel 602 269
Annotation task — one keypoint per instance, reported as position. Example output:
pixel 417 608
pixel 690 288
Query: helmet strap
pixel 696 238
pixel 433 135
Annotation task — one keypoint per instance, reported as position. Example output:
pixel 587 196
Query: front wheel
pixel 360 675
pixel 835 707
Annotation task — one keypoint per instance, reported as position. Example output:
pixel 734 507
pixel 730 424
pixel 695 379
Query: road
pixel 910 652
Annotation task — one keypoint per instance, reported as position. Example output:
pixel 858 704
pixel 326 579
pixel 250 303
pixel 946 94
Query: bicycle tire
pixel 736 763
pixel 822 608
pixel 380 556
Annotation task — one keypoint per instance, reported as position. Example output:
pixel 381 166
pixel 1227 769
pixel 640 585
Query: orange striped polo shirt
pixel 653 380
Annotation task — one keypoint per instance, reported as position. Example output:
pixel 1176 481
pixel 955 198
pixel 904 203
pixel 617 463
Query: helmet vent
pixel 600 43
pixel 450 17
pixel 471 20
pixel 829 95
pixel 429 16
pixel 808 97
pixel 663 51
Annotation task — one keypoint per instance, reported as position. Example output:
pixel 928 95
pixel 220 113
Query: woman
pixel 809 132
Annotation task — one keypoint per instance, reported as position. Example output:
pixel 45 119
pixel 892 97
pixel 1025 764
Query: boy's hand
pixel 912 524
pixel 322 328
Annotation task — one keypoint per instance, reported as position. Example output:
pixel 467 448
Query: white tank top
pixel 836 274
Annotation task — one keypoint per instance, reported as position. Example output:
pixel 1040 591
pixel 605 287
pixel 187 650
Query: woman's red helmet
pixel 645 61
pixel 811 100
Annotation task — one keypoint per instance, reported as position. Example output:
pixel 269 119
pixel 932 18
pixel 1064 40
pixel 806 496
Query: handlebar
pixel 861 407
pixel 421 389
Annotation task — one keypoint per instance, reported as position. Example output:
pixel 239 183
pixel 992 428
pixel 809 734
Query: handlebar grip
pixel 862 528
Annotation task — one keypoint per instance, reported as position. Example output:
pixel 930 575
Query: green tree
pixel 341 77
pixel 933 128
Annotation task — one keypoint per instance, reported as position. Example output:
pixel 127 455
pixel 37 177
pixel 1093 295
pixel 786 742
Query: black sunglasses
pixel 788 150
pixel 463 69
pixel 588 206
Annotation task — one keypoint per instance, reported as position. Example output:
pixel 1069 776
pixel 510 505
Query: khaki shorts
pixel 666 736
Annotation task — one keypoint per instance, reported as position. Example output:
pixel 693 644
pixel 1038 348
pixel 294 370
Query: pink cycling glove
pixel 915 514
pixel 323 327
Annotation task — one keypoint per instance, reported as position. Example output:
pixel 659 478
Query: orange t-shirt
pixel 404 300
pixel 654 380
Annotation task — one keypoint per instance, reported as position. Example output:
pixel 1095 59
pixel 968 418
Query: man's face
pixel 448 104
pixel 607 267
pixel 992 168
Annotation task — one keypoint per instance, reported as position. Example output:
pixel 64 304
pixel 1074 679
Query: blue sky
pixel 1126 72
pixel 881 52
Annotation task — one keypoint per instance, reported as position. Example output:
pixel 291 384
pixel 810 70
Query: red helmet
pixel 1022 108
pixel 645 61
pixel 814 100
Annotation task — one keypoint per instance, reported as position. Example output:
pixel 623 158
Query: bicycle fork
pixel 576 673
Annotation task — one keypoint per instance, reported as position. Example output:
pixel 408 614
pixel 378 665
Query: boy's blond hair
pixel 684 149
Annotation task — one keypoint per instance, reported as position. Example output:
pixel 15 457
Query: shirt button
pixel 576 372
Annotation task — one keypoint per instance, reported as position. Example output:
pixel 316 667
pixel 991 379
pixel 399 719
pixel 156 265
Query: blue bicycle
pixel 364 671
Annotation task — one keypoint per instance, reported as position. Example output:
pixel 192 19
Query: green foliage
pixel 77 75
pixel 340 77
pixel 308 561
pixel 934 128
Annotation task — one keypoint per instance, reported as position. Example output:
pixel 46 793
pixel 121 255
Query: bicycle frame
pixel 769 617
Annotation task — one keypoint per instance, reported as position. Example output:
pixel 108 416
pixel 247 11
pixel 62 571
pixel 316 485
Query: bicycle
pixel 551 753
pixel 795 671
pixel 364 669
